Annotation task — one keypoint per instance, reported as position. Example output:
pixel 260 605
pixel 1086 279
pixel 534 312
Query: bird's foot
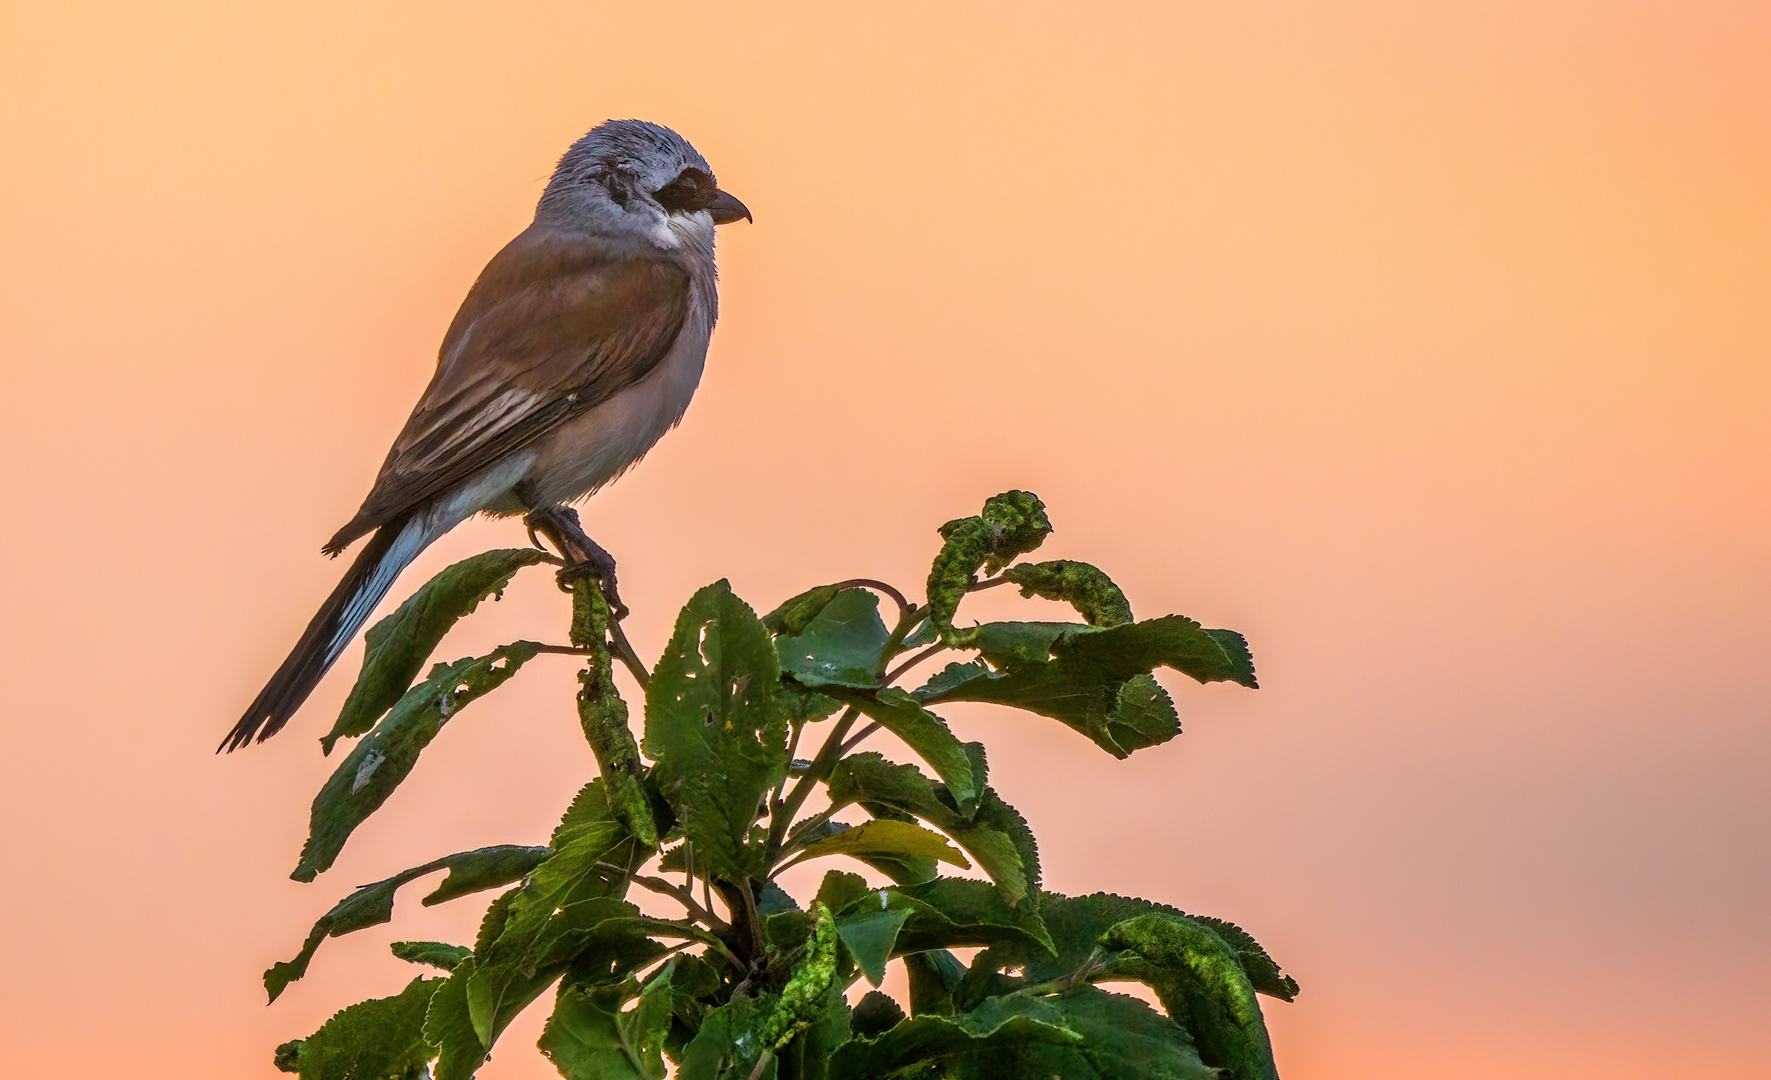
pixel 586 558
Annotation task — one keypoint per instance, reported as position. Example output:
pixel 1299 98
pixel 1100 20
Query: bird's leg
pixel 585 557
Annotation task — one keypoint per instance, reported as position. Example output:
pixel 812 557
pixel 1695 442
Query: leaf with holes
pixel 396 648
pixel 377 765
pixel 716 729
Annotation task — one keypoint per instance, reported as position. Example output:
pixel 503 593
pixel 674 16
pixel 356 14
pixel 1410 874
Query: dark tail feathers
pixel 320 645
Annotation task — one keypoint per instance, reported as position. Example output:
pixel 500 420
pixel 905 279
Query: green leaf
pixel 379 1039
pixel 870 936
pixel 507 976
pixel 875 1014
pixel 902 868
pixel 996 836
pixel 486 868
pixel 1197 978
pixel 840 888
pixel 716 729
pixel 1084 587
pixel 371 772
pixel 841 646
pixel 1011 525
pixel 588 1037
pixel 954 913
pixel 1122 1039
pixel 933 976
pixel 449 1029
pixel 934 1041
pixel 1077 923
pixel 397 646
pixel 730 1042
pixel 1118 715
pixel 927 735
pixel 606 944
pixel 373 904
pixel 795 614
pixel 437 954
pixel 897 840
pixel 1173 641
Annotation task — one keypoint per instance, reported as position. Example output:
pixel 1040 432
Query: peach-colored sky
pixel 1429 345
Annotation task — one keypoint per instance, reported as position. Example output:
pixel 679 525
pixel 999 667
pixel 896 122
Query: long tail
pixel 390 550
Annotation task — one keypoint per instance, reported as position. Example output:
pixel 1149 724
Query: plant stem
pixel 877 586
pixel 892 676
pixel 821 765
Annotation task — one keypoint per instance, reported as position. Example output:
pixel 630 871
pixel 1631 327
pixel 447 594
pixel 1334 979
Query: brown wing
pixel 555 324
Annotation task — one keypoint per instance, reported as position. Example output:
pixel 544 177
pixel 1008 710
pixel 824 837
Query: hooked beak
pixel 726 209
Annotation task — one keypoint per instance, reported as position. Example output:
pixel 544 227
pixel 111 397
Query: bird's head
pixel 640 168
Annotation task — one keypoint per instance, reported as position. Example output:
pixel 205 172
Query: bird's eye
pixel 691 190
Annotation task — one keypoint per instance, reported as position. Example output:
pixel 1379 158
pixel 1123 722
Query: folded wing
pixel 556 324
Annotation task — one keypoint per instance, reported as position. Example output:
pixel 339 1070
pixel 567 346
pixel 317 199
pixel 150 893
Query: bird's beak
pixel 726 209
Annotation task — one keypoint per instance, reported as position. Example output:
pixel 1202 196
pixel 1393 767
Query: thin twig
pixel 877 586
pixel 987 583
pixel 762 1063
pixel 782 815
pixel 676 892
pixel 859 736
pixel 563 650
pixel 891 676
pixel 622 649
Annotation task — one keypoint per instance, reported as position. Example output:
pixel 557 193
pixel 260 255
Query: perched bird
pixel 575 351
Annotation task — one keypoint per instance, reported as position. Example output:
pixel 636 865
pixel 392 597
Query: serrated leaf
pixel 589 1037
pixel 796 613
pixel 378 1039
pixel 449 1029
pixel 927 735
pixel 955 913
pixel 933 975
pixel 716 730
pixel 507 977
pixel 1118 715
pixel 396 648
pixel 840 888
pixel 1082 586
pixel 934 1041
pixel 1122 1039
pixel 996 836
pixel 1011 525
pixel 841 646
pixel 1201 985
pixel 875 1014
pixel 486 868
pixel 377 765
pixel 869 937
pixel 436 954
pixel 883 837
pixel 1077 923
pixel 730 1042
pixel 370 905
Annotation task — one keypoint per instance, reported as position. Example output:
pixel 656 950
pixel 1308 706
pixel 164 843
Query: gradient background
pixel 1425 343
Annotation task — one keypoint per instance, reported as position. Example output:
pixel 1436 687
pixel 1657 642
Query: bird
pixel 573 353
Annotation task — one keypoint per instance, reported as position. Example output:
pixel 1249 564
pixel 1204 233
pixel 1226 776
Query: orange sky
pixel 1426 344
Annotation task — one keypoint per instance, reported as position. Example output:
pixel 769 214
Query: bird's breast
pixel 596 446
